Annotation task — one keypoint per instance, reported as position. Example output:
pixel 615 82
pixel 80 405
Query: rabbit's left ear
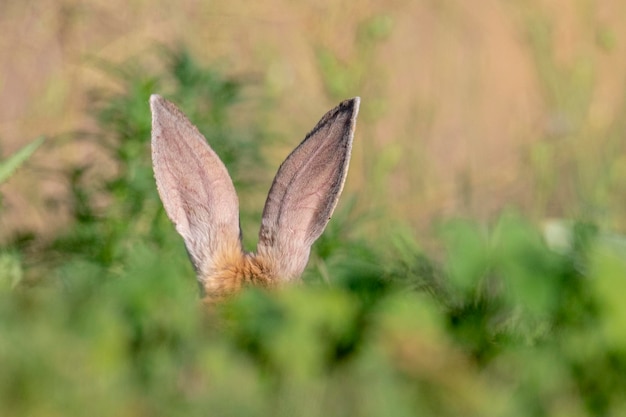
pixel 306 190
pixel 194 185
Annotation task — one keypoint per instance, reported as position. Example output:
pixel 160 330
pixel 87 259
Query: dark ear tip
pixel 351 105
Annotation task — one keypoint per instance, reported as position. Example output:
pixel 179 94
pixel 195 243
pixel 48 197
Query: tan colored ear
pixel 306 190
pixel 194 185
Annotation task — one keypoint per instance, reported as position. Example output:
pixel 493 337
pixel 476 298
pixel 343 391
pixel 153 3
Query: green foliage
pixel 8 166
pixel 11 272
pixel 105 320
pixel 139 344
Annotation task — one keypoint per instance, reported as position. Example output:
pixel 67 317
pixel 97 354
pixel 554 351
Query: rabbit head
pixel 200 199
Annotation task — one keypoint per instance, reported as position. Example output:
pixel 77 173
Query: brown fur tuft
pixel 234 271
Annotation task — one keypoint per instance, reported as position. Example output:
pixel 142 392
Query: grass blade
pixel 9 166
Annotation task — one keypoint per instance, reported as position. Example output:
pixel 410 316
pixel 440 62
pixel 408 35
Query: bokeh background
pixel 474 266
pixel 467 107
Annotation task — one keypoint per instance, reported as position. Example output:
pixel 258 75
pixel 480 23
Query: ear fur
pixel 305 191
pixel 195 188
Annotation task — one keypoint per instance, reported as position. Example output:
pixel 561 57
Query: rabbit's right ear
pixel 306 190
pixel 194 185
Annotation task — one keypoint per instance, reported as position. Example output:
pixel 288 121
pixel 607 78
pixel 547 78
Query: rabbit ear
pixel 194 185
pixel 306 190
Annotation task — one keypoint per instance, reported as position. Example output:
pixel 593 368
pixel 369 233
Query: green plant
pixel 9 165
pixel 11 271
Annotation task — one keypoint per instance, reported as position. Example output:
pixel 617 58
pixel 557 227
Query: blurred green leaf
pixel 11 272
pixel 8 166
pixel 608 279
pixel 529 268
pixel 468 252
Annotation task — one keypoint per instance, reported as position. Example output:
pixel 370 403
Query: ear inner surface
pixel 194 186
pixel 305 191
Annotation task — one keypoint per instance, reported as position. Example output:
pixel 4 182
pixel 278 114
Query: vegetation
pixel 104 319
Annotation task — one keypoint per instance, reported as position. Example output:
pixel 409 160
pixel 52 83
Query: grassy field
pixel 476 262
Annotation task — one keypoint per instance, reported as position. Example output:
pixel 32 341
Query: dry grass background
pixel 467 107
